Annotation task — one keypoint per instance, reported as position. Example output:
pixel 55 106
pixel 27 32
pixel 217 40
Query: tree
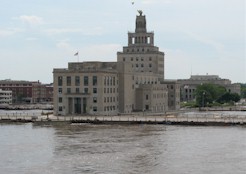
pixel 208 93
pixel 243 90
pixel 228 97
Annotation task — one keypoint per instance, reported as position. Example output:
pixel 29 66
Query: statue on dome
pixel 140 12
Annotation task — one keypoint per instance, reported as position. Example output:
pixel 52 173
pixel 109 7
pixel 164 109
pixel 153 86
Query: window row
pixel 110 108
pixel 190 90
pixel 77 80
pixel 159 96
pixel 136 59
pixel 110 90
pixel 140 82
pixel 137 50
pixel 110 99
pixel 141 65
pixel 110 81
pixel 78 90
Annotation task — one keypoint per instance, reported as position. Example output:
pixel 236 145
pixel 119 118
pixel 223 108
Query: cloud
pixel 31 20
pixel 65 46
pixel 9 32
pixel 101 52
pixel 31 38
pixel 89 31
pixel 216 45
pixel 147 2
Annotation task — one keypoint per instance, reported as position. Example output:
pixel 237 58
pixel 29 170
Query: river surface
pixel 124 149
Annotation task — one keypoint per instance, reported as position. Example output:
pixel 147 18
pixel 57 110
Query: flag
pixel 76 54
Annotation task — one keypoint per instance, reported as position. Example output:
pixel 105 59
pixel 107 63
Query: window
pixel 113 80
pixel 77 90
pixel 94 109
pixel 86 90
pixel 60 99
pixel 94 90
pixel 68 80
pixel 142 59
pixel 150 65
pixel 142 65
pixel 147 97
pixel 60 81
pixel 60 108
pixel 94 100
pixel 86 80
pixel 107 80
pixel 68 90
pixel 60 90
pixel 124 59
pixel 77 81
pixel 146 107
pixel 131 58
pixel 94 80
pixel 150 58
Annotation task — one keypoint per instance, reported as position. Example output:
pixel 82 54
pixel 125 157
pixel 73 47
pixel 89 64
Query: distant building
pixel 28 91
pixel 134 83
pixel 188 86
pixel 5 97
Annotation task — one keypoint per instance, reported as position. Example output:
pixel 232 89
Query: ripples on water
pixel 122 149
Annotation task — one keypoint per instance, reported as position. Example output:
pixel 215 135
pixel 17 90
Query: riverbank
pixel 27 107
pixel 201 119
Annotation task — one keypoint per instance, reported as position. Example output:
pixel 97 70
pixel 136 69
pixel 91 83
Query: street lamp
pixel 203 94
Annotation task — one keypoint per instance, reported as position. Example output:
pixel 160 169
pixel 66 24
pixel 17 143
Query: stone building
pixel 5 97
pixel 188 86
pixel 86 88
pixel 134 83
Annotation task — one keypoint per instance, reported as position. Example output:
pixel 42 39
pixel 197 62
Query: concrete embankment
pixel 214 120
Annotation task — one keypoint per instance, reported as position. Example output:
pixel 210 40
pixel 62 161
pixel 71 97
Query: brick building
pixel 28 91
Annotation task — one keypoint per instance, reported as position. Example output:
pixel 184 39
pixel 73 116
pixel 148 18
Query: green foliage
pixel 243 90
pixel 228 97
pixel 206 94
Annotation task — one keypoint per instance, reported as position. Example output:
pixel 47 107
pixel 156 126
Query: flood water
pixel 123 149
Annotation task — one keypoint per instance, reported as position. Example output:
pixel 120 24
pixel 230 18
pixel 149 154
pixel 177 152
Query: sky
pixel 198 37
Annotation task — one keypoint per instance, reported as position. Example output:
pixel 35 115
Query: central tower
pixel 141 63
pixel 141 52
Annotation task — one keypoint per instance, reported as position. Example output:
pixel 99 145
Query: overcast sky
pixel 198 36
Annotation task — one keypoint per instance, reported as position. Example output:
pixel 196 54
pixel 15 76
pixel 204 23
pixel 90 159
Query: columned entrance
pixel 84 105
pixel 77 105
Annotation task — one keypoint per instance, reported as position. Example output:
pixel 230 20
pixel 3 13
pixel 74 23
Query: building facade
pixel 134 83
pixel 5 97
pixel 86 88
pixel 188 86
pixel 28 91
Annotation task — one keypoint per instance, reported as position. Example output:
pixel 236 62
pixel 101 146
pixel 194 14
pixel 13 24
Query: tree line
pixel 212 94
